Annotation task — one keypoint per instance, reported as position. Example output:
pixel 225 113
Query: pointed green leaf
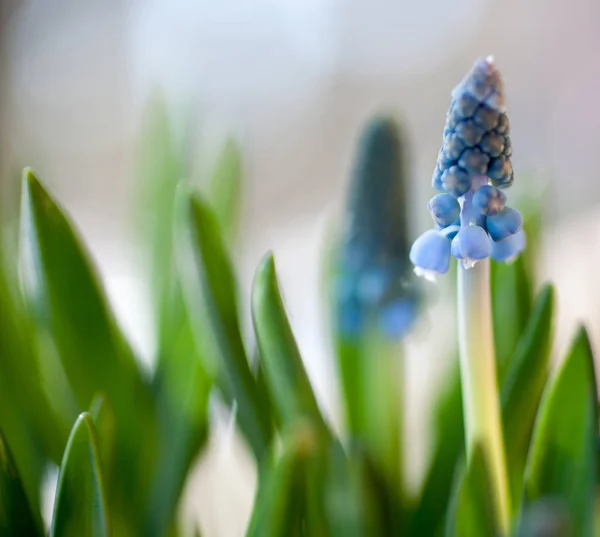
pixel 523 386
pixel 432 506
pixel 80 504
pixel 161 167
pixel 67 300
pixel 472 509
pixel 181 383
pixel 511 307
pixel 16 515
pixel 288 383
pixel 27 420
pixel 104 423
pixel 562 459
pixel 226 187
pixel 212 306
pixel 184 422
pixel 290 490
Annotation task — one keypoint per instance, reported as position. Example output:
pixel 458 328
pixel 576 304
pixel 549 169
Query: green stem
pixel 478 372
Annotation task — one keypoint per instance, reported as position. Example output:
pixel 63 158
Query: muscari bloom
pixel 472 220
pixel 373 279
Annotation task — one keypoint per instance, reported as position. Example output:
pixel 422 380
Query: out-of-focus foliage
pixel 125 463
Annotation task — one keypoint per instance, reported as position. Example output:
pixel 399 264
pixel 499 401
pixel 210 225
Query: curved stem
pixel 483 425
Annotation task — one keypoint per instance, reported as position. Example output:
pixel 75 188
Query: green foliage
pixel 124 466
pixel 562 460
pixel 16 515
pixel 80 505
pixel 217 300
pixel 286 377
pixel 472 510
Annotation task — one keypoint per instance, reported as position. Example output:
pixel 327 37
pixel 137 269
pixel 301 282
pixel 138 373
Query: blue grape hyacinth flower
pixel 472 220
pixel 373 283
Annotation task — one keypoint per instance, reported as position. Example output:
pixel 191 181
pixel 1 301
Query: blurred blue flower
pixel 473 163
pixel 374 284
pixel 508 250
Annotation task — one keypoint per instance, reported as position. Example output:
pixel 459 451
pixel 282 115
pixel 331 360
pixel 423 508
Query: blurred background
pixel 294 80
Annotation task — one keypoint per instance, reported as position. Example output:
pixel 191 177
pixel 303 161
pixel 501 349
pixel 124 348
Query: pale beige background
pixel 295 79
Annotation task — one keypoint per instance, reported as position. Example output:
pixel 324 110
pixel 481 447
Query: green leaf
pixel 449 443
pixel 289 498
pixel 67 300
pixel 181 383
pixel 288 383
pixel 511 307
pixel 212 306
pixel 359 499
pixel 104 423
pixel 472 509
pixel 80 505
pixel 523 386
pixel 16 515
pixel 226 188
pixel 26 416
pixel 161 167
pixel 562 459
pixel 183 418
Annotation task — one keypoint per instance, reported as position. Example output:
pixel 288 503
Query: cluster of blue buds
pixel 472 220
pixel 373 284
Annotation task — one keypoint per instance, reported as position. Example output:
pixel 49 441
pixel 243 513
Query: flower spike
pixel 473 164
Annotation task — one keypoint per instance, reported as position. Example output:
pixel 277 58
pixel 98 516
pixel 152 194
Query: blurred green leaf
pixel 523 386
pixel 181 383
pixel 226 188
pixel 289 499
pixel 562 460
pixel 26 417
pixel 16 515
pixel 472 509
pixel 104 423
pixel 432 505
pixel 512 292
pixel 185 409
pixel 66 298
pixel 212 306
pixel 359 500
pixel 161 167
pixel 288 383
pixel 80 504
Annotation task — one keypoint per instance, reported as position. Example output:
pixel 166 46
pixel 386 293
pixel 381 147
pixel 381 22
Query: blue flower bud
pixel 430 254
pixel 444 209
pixel 456 181
pixel 507 222
pixel 471 244
pixel 464 105
pixel 488 200
pixel 508 249
pixel 474 161
pixel 492 144
pixel 469 133
pixel 502 126
pixel 436 180
pixel 451 231
pixel 486 117
pixel 454 145
pixel 499 167
pixel 507 147
pixel 484 84
pixel 505 181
